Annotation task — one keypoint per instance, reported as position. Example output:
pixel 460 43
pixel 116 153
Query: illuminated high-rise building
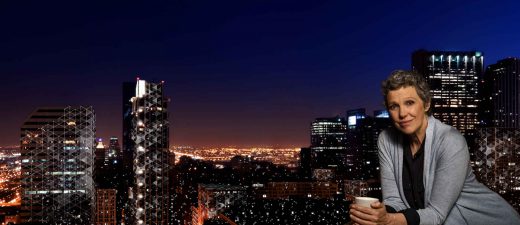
pixel 57 153
pixel 329 145
pixel 453 77
pixel 151 165
pixel 503 79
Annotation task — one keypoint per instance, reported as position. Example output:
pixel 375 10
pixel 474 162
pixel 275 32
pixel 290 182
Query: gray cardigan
pixel 452 195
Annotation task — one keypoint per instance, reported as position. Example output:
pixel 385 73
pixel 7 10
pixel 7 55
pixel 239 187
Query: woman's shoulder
pixel 445 137
pixel 441 131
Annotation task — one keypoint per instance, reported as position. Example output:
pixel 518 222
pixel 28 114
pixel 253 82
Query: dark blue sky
pixel 238 72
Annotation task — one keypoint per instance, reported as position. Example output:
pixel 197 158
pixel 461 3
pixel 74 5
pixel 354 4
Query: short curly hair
pixel 403 78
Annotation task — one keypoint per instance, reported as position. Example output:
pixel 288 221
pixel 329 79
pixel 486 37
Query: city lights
pixel 279 156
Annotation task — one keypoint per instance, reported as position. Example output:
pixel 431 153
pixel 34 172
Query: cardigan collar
pixel 428 154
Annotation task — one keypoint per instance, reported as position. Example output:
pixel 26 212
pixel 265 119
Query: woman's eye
pixel 392 107
pixel 410 102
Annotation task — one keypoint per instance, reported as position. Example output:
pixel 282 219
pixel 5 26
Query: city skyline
pixel 242 74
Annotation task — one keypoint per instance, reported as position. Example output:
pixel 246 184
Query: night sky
pixel 241 73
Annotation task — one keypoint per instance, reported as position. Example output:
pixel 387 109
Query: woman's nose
pixel 402 112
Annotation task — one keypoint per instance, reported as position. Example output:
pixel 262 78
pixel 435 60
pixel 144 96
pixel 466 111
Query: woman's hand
pixel 376 215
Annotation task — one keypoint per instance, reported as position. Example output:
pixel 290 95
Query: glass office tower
pixel 151 165
pixel 57 153
pixel 453 77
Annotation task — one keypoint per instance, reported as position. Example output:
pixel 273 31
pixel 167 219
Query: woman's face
pixel 407 110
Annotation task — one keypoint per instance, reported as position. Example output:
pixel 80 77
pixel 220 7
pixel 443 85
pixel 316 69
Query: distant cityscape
pixel 62 173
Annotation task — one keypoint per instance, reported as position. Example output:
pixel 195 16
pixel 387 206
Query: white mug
pixel 365 201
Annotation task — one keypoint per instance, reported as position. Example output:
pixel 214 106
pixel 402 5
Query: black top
pixel 413 167
pixel 413 186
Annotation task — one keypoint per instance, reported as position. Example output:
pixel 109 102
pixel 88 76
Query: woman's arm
pixel 391 196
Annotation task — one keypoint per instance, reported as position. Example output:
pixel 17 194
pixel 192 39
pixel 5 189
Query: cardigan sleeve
pixel 389 187
pixel 451 168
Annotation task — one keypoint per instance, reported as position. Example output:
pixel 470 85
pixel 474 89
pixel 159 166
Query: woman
pixel 425 173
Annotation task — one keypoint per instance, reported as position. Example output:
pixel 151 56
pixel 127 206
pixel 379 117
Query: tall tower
pixel 503 77
pixel 57 152
pixel 150 132
pixel 453 77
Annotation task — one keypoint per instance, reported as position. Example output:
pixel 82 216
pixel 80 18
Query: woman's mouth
pixel 405 123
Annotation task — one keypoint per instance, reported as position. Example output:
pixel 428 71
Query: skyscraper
pixel 453 77
pixel 57 152
pixel 328 144
pixel 149 133
pixel 504 81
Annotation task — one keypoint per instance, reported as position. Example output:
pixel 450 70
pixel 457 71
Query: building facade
pixel 57 153
pixel 504 81
pixel 454 78
pixel 105 207
pixel 329 144
pixel 151 164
